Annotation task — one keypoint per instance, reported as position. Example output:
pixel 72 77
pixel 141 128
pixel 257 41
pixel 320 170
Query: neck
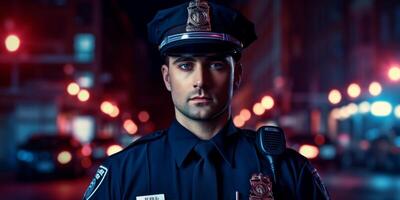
pixel 203 129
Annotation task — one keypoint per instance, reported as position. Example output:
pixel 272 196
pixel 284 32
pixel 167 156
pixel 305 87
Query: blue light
pixel 380 182
pixel 397 141
pixel 25 156
pixel 84 46
pixel 86 79
pixel 381 108
pixel 327 152
pixel 372 134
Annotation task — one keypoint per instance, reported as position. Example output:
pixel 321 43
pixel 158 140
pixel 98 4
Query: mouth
pixel 201 99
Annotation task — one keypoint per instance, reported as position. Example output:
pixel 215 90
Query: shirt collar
pixel 183 141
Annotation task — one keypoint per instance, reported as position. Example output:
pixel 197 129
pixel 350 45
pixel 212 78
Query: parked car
pixel 48 156
pixel 317 148
pixel 102 147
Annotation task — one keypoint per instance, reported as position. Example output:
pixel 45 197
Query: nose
pixel 200 76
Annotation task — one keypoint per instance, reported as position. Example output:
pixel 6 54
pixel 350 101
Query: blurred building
pixel 307 48
pixel 59 44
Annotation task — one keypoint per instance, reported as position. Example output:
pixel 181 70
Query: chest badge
pixel 261 187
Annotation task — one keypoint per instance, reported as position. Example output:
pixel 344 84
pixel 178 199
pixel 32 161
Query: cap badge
pixel 261 187
pixel 198 16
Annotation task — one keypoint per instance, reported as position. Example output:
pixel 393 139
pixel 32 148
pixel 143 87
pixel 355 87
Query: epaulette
pixel 145 139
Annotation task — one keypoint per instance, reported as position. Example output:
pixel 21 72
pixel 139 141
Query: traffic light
pixel 12 43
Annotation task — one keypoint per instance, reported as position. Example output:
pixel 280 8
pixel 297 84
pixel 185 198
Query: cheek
pixel 177 88
pixel 224 82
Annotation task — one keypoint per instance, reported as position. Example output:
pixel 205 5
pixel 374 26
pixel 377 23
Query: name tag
pixel 151 197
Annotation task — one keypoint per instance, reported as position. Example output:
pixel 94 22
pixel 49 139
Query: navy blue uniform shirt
pixel 162 163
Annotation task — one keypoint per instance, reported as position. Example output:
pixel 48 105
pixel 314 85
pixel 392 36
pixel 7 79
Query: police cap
pixel 199 27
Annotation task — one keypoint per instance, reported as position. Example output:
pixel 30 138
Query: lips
pixel 200 99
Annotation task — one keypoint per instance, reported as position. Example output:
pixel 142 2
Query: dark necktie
pixel 204 176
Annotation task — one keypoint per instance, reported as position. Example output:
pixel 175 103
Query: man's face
pixel 201 87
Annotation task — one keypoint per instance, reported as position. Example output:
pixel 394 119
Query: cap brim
pixel 199 47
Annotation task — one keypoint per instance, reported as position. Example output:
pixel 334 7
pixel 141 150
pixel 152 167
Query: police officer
pixel 202 155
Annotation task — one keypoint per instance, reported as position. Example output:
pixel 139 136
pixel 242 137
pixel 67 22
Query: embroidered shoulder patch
pixel 96 182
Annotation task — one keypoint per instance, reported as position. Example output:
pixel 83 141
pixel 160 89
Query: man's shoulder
pixel 247 133
pixel 289 153
pixel 136 149
pixel 149 138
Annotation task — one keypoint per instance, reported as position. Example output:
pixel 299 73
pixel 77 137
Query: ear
pixel 165 75
pixel 237 76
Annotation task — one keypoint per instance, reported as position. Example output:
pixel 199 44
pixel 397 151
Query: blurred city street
pixel 80 81
pixel 352 185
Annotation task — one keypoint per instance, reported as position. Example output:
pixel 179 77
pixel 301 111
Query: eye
pixel 185 66
pixel 217 65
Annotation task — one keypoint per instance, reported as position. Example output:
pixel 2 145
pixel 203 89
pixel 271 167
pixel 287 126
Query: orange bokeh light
pixel 334 96
pixel 106 107
pixel 267 102
pixel 245 114
pixel 394 73
pixel 258 109
pixel 83 95
pixel 375 88
pixel 143 116
pixel 354 90
pixel 130 126
pixel 12 43
pixel 309 151
pixel 73 88
pixel 238 121
pixel 114 112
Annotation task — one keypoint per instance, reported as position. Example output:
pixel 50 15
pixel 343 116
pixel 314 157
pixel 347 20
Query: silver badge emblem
pixel 96 182
pixel 198 16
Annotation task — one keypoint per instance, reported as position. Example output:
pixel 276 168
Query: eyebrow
pixel 183 59
pixel 206 58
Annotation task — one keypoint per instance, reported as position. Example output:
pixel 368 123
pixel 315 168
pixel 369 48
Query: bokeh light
pixel 143 116
pixel 364 107
pixel 381 108
pixel 354 90
pixel 12 42
pixel 397 111
pixel 106 107
pixel 113 149
pixel 115 111
pixel 64 157
pixel 334 96
pixel 267 102
pixel 375 88
pixel 258 109
pixel 73 88
pixel 130 126
pixel 309 151
pixel 245 114
pixel 394 73
pixel 83 95
pixel 238 121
